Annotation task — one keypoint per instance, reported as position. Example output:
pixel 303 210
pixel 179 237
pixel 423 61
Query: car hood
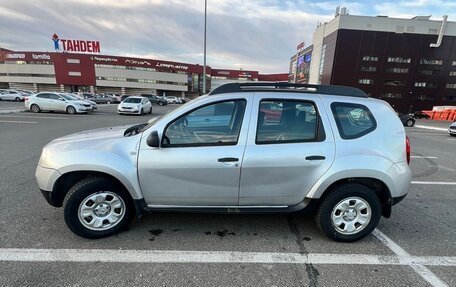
pixel 90 102
pixel 77 101
pixel 453 125
pixel 95 134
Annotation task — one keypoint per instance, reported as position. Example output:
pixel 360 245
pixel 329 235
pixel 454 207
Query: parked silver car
pixel 12 95
pixel 252 147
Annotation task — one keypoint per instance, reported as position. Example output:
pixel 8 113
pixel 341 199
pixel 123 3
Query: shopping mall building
pixel 411 63
pixel 72 71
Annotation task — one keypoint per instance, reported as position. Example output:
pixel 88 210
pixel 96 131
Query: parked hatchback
pixel 61 102
pixel 135 105
pixel 251 147
pixel 12 95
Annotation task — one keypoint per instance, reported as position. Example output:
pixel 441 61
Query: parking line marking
pixel 20 122
pixel 424 157
pixel 420 269
pixel 434 182
pixel 35 117
pixel 176 256
pixel 431 128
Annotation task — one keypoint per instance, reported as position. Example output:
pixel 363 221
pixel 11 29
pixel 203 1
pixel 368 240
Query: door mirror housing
pixel 153 140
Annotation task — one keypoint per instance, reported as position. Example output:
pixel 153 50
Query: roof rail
pixel 288 87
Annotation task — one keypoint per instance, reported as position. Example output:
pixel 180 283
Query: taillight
pixel 407 148
pixel 26 98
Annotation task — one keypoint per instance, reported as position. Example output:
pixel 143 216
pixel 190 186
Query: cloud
pixel 253 35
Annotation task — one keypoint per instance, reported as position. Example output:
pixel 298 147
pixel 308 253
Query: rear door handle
pixel 315 157
pixel 228 159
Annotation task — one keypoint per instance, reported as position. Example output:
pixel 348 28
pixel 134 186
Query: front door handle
pixel 315 157
pixel 228 159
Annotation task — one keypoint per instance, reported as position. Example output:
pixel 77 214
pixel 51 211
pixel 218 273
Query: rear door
pixel 287 149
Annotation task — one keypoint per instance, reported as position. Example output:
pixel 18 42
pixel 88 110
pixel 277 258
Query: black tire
pixel 108 102
pixel 71 110
pixel 337 195
pixel 35 108
pixel 141 112
pixel 150 111
pixel 453 135
pixel 410 123
pixel 161 104
pixel 85 188
pixel 17 99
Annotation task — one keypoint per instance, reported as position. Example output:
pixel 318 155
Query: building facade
pixel 411 63
pixel 71 72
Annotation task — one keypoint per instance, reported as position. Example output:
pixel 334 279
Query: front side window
pixel 353 120
pixel 214 124
pixel 286 121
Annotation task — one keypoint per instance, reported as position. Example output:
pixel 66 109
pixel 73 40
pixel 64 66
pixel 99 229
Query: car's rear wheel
pixel 108 102
pixel 17 99
pixel 97 207
pixel 349 213
pixel 160 103
pixel 410 123
pixel 71 110
pixel 35 108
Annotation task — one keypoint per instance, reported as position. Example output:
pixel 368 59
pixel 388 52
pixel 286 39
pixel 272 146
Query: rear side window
pixel 353 120
pixel 43 96
pixel 286 121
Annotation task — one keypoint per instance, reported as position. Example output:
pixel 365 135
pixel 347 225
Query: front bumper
pixel 452 131
pixel 128 111
pixel 80 109
pixel 46 178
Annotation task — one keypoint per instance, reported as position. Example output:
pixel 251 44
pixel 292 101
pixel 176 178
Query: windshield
pixel 68 97
pixel 132 100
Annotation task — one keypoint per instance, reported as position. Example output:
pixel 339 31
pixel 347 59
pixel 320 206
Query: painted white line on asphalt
pixel 175 256
pixel 35 117
pixel 434 182
pixel 424 157
pixel 420 269
pixel 431 128
pixel 20 122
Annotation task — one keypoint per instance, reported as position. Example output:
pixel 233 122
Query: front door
pixel 287 151
pixel 57 103
pixel 199 161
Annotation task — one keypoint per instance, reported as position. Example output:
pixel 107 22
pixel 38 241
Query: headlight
pixel 79 104
pixel 137 107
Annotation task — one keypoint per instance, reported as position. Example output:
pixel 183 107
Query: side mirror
pixel 153 140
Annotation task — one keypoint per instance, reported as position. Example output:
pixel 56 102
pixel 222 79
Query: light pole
pixel 204 62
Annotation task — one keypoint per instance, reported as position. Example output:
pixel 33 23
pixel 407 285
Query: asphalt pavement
pixel 415 247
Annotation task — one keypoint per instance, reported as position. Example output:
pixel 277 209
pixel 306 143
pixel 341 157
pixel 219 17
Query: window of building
pixel 391 96
pixel 76 74
pixel 399 60
pixel 425 85
pixel 397 70
pixel 353 120
pixel 451 86
pixel 370 58
pixel 394 83
pixel 73 61
pixel 452 74
pixel 424 97
pixel 428 72
pixel 366 81
pixel 368 69
pixel 211 125
pixel 286 121
pixel 449 98
pixel 431 62
pixel 322 62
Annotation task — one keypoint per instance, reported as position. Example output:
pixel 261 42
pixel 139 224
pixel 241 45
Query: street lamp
pixel 204 67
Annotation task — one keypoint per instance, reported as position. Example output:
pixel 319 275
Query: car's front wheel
pixel 108 102
pixel 410 123
pixel 349 213
pixel 71 110
pixel 35 108
pixel 161 103
pixel 97 207
pixel 17 99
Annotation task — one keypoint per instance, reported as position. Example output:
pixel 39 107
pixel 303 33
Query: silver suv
pixel 252 147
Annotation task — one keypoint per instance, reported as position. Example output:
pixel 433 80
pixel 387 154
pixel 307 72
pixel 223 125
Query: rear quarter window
pixel 353 120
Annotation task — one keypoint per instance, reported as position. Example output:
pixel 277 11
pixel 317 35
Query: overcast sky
pixel 252 35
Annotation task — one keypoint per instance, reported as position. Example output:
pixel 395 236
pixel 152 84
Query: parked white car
pixel 10 95
pixel 50 101
pixel 452 129
pixel 172 100
pixel 135 105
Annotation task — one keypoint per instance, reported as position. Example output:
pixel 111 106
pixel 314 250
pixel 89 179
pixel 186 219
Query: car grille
pixel 453 128
pixel 127 108
pixel 87 105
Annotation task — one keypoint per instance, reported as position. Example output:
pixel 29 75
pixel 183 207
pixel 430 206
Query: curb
pixel 12 111
pixel 431 128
